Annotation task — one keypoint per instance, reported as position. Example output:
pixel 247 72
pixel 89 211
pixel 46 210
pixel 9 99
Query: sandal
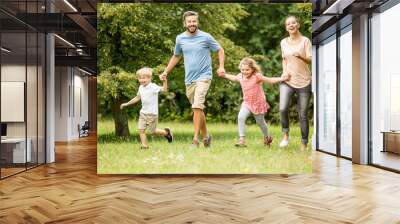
pixel 169 135
pixel 144 147
pixel 267 141
pixel 241 143
pixel 195 144
pixel 207 141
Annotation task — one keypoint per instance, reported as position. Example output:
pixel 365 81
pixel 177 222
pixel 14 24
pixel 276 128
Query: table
pixel 391 141
pixel 13 150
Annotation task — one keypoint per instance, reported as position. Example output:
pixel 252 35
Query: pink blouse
pixel 298 69
pixel 253 93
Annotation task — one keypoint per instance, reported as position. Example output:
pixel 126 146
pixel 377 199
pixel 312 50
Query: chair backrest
pixel 86 125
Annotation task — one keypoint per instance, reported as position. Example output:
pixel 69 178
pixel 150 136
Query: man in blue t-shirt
pixel 195 46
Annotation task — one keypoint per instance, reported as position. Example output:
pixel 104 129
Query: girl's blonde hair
pixel 146 71
pixel 251 63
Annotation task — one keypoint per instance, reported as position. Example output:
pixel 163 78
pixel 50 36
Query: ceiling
pixel 326 13
pixel 73 22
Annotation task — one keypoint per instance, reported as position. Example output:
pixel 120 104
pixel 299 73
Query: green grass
pixel 123 156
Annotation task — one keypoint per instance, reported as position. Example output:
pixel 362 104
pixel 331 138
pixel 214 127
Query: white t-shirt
pixel 149 97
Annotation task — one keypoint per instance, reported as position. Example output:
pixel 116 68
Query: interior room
pixel 48 160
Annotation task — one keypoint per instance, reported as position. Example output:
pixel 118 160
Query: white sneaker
pixel 284 143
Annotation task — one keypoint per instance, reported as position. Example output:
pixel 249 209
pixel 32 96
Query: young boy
pixel 148 94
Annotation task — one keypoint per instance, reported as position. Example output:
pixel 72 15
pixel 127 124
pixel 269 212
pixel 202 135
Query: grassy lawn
pixel 118 156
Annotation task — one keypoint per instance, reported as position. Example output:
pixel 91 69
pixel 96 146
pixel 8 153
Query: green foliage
pixel 113 85
pixel 260 34
pixel 303 11
pixel 132 36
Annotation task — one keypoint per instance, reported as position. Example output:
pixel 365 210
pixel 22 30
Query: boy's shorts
pixel 196 93
pixel 148 121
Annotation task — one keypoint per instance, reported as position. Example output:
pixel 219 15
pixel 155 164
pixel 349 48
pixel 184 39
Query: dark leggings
pixel 303 97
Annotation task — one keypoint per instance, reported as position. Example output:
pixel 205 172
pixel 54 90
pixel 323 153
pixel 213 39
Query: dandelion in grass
pixel 180 157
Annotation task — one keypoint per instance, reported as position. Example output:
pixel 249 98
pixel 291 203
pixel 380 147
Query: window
pixel 327 95
pixel 385 85
pixel 22 76
pixel 346 92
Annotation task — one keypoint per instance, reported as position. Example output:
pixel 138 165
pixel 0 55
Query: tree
pixel 114 86
pixel 131 36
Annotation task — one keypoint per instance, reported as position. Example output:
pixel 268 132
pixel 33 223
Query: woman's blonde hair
pixel 251 63
pixel 146 71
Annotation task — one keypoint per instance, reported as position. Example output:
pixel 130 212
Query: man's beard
pixel 194 31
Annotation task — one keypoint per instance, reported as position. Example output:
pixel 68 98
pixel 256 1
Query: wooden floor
pixel 70 191
pixel 10 171
pixel 387 159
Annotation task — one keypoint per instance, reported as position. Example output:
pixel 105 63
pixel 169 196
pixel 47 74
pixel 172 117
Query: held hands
pixel 285 76
pixel 292 54
pixel 304 59
pixel 296 54
pixel 221 72
pixel 163 76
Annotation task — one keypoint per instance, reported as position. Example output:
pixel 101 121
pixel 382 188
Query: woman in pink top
pixel 296 55
pixel 254 102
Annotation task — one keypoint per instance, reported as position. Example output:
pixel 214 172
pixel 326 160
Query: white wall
pixel 13 101
pixel 50 98
pixel 80 102
pixel 33 127
pixel 62 81
pixel 71 87
pixel 81 83
pixel 14 72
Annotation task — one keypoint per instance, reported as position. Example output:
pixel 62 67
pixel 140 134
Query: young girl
pixel 251 81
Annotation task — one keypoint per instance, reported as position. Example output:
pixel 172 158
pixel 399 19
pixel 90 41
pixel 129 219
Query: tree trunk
pixel 120 119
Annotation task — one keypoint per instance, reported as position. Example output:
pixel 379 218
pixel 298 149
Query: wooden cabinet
pixel 391 142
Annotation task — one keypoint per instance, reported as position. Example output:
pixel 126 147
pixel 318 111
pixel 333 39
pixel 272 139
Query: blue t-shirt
pixel 196 55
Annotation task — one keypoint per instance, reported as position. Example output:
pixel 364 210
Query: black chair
pixel 84 130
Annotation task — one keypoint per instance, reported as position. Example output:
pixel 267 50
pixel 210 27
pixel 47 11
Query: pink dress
pixel 253 93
